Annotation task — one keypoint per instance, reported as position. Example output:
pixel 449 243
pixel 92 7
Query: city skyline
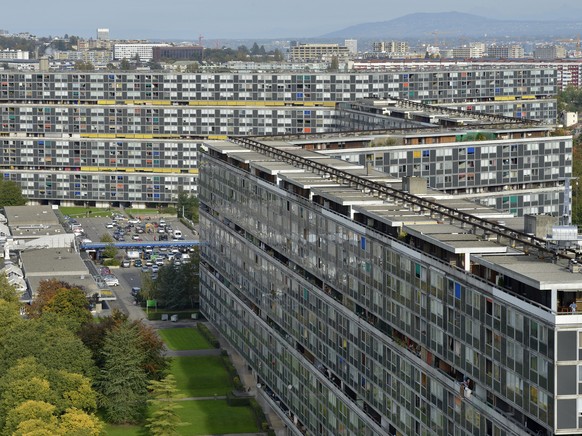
pixel 230 19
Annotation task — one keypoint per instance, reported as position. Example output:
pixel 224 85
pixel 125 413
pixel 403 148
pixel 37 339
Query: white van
pixel 177 234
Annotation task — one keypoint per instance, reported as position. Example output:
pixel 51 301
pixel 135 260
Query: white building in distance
pixel 129 51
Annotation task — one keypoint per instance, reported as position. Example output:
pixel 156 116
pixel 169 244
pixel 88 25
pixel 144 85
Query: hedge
pixel 205 331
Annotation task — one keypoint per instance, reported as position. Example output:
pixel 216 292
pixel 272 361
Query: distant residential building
pixel 315 52
pixel 103 34
pixel 549 52
pixel 129 51
pixel 94 56
pixel 472 51
pixel 505 52
pixel 14 54
pixel 352 46
pixel 568 118
pixel 181 53
pixel 396 47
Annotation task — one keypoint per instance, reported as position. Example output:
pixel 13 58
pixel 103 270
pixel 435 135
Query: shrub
pixel 205 331
pixel 111 262
pixel 234 401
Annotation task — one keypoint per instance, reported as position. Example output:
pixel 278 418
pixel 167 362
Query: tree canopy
pixel 122 381
pixel 177 287
pixel 11 194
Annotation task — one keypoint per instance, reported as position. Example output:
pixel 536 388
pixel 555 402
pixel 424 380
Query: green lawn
pixel 200 376
pixel 184 339
pixel 215 417
pixel 124 430
pixel 90 212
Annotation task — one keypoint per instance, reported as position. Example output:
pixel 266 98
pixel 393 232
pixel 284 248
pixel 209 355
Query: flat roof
pixel 343 195
pixel 458 243
pixel 307 180
pixel 276 167
pixel 87 283
pixel 394 215
pixel 53 262
pixel 533 272
pixel 30 215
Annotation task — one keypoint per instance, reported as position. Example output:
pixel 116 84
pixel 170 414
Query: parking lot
pixel 96 228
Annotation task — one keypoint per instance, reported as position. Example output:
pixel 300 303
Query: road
pixel 94 229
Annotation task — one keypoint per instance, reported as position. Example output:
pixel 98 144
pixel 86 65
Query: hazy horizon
pixel 247 19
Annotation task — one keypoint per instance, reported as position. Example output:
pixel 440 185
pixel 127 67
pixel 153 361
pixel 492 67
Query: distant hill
pixel 457 24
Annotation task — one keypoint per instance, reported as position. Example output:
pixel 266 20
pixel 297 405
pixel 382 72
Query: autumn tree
pixel 32 417
pixel 46 291
pixel 93 336
pixel 29 380
pixel 38 418
pixel 8 292
pixel 72 306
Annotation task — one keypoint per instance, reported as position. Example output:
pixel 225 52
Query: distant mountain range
pixel 459 25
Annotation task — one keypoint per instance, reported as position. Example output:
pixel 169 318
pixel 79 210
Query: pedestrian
pixel 573 306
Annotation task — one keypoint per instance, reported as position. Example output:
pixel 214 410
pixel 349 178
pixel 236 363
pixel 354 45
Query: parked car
pixel 135 291
pixel 138 263
pixel 125 263
pixel 109 225
pixel 111 280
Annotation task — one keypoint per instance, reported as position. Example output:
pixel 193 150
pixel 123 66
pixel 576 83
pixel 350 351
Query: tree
pixel 9 318
pixel 193 67
pixel 32 418
pixel 46 291
pixel 188 206
pixel 122 381
pixel 93 336
pixel 8 292
pixel 30 380
pixel 84 66
pixel 155 66
pixel 334 65
pixel 163 419
pixel 72 305
pixel 125 65
pixel 177 287
pixel 39 418
pixel 278 56
pixel 78 422
pixel 110 250
pixel 50 341
pixel 570 99
pixel 11 194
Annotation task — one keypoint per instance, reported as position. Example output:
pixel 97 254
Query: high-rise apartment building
pixel 103 34
pixel 318 52
pixel 505 52
pixel 352 46
pixel 132 137
pixel 370 305
pixel 129 51
pixel 390 47
pixel 549 52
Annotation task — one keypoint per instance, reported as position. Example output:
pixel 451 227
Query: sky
pixel 247 19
